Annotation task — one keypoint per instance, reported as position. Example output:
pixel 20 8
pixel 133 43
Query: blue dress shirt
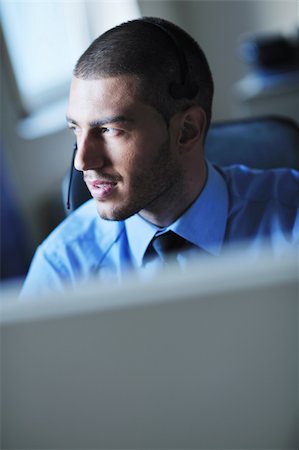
pixel 237 204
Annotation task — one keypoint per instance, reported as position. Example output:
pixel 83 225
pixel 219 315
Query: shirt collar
pixel 203 223
pixel 139 233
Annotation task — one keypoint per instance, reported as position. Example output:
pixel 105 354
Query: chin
pixel 115 213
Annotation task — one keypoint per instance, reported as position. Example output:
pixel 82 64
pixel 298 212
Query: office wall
pixel 217 26
pixel 37 166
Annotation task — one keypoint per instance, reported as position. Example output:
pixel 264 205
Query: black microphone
pixel 68 206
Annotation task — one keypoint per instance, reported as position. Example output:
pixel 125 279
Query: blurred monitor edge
pixel 203 359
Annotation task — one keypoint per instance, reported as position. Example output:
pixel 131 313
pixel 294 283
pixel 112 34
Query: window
pixel 44 40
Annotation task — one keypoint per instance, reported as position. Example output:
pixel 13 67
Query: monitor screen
pixel 202 359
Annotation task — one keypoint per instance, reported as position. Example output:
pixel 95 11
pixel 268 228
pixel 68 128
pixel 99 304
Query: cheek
pixel 141 151
pixel 135 156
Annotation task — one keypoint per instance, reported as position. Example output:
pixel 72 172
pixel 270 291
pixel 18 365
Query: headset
pixel 185 88
pixel 68 202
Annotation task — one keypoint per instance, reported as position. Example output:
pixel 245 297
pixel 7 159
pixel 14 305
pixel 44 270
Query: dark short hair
pixel 146 51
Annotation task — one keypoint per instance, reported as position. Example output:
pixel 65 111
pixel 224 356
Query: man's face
pixel 125 149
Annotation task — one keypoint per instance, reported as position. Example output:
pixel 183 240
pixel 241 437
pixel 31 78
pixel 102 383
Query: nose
pixel 90 154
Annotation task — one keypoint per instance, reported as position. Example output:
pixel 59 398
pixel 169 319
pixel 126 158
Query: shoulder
pixel 82 231
pixel 262 186
pixel 262 204
pixel 71 252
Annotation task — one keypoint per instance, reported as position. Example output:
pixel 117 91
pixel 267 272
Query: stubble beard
pixel 152 189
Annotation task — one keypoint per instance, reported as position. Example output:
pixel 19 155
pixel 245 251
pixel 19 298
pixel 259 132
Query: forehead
pixel 104 96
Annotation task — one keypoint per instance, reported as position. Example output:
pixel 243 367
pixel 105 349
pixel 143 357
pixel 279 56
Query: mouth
pixel 101 189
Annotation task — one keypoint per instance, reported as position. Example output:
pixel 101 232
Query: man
pixel 140 107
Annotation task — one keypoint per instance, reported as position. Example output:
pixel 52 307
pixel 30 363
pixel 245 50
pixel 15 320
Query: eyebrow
pixel 101 122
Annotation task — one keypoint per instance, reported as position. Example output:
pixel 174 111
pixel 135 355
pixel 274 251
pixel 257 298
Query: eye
pixel 110 131
pixel 74 129
pixel 107 130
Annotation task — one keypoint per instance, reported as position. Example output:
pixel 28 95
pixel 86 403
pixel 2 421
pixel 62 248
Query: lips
pixel 101 188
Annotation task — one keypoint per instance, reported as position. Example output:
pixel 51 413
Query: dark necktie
pixel 166 246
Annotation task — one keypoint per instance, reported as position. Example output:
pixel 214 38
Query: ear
pixel 192 127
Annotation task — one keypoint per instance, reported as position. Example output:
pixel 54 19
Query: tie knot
pixel 167 244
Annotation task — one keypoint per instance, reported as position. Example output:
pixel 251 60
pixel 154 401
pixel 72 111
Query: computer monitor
pixel 203 359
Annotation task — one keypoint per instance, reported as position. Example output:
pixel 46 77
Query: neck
pixel 177 199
